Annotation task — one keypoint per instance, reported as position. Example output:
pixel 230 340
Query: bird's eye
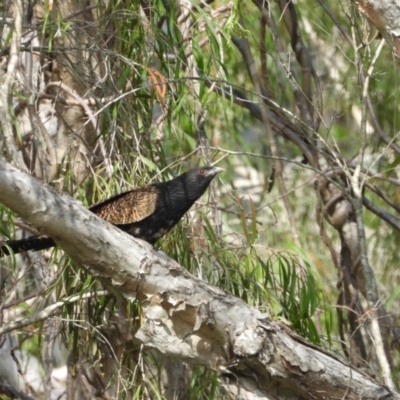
pixel 202 172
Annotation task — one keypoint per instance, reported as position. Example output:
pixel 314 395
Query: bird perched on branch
pixel 146 213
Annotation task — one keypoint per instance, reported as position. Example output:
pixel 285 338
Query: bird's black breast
pixel 171 204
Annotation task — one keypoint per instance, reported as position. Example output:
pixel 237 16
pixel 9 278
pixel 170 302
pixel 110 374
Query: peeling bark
pixel 385 16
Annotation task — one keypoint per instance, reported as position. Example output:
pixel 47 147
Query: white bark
pixel 385 16
pixel 185 317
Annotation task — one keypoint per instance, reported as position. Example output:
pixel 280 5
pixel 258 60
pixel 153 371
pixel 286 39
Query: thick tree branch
pixel 183 316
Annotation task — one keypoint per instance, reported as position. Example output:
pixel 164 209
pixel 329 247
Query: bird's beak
pixel 216 170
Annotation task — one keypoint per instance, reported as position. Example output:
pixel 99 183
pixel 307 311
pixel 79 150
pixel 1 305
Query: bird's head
pixel 196 180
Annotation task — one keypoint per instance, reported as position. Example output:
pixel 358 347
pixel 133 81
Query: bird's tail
pixel 31 243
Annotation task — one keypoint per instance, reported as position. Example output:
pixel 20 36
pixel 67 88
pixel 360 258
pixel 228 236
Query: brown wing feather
pixel 128 207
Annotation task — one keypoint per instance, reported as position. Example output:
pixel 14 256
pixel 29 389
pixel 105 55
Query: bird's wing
pixel 128 207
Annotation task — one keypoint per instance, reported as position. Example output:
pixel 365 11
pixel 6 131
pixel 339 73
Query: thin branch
pixel 249 62
pixel 13 393
pixel 91 118
pixel 47 312
pixel 382 214
pixel 371 288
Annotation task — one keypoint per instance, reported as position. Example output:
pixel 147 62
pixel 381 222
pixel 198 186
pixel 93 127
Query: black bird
pixel 146 213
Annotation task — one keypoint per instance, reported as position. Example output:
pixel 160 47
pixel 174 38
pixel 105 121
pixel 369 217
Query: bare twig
pixel 248 59
pixel 47 312
pixel 371 289
pixel 91 118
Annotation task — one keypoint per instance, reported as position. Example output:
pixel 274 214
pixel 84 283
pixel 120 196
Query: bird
pixel 146 213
